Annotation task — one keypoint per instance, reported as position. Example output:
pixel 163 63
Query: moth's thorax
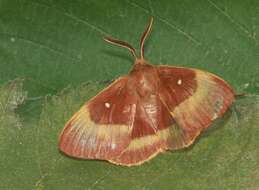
pixel 145 78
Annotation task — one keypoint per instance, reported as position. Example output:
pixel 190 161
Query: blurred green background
pixel 53 53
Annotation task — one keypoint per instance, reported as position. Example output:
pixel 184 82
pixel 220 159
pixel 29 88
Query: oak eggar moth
pixel 148 111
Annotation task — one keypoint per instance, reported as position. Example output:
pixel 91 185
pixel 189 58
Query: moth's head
pixel 138 60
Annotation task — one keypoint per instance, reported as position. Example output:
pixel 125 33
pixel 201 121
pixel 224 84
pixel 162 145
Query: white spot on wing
pixel 107 105
pixel 113 145
pixel 179 82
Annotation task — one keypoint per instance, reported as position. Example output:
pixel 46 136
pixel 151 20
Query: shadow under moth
pixel 148 111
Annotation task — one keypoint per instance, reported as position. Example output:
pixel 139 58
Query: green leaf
pixel 56 47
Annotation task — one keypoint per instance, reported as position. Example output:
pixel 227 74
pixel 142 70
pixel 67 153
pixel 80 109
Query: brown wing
pixel 194 98
pixel 119 126
pixel 101 128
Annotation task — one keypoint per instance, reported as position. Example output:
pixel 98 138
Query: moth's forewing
pixel 101 128
pixel 195 98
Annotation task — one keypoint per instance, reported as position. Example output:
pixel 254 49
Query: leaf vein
pixel 172 26
pixel 238 25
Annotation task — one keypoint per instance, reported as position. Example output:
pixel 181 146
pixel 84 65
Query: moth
pixel 148 111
